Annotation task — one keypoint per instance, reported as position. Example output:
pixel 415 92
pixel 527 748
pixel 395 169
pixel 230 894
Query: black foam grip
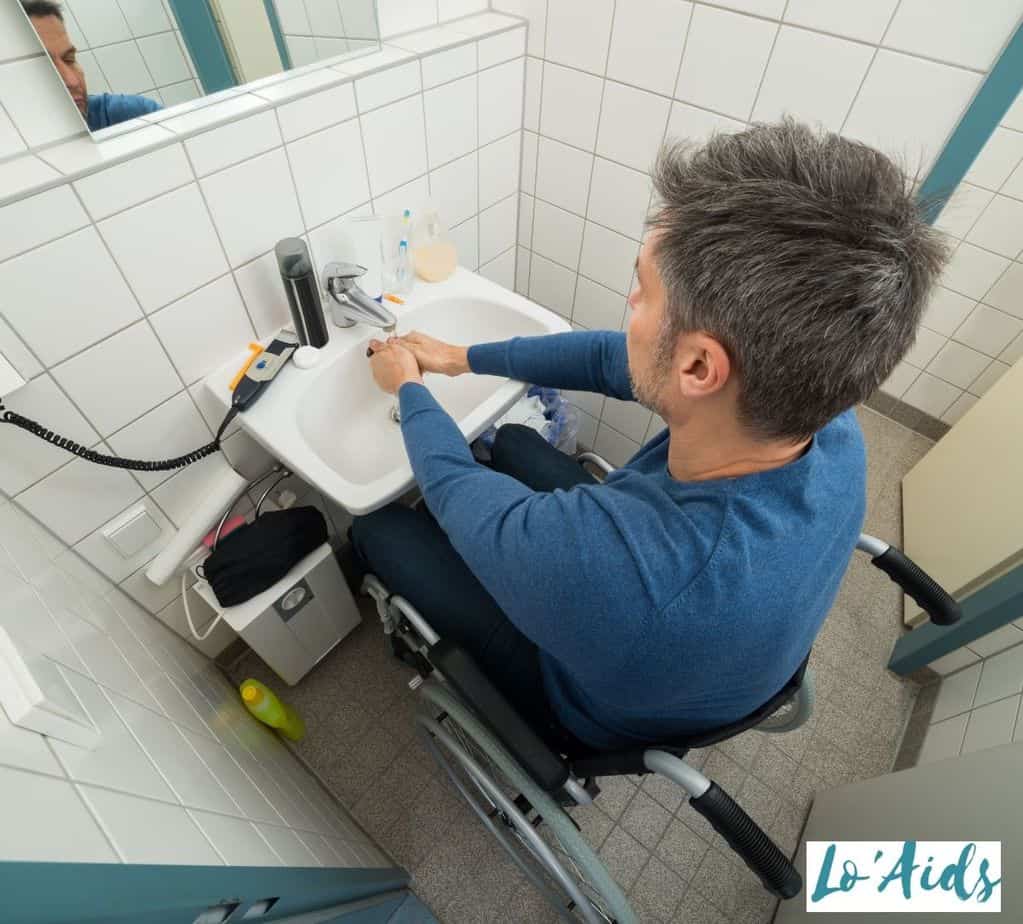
pixel 933 599
pixel 757 850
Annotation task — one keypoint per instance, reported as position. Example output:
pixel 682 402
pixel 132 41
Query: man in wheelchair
pixel 782 277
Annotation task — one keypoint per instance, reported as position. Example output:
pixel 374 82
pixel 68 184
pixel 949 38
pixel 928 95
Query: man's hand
pixel 393 365
pixel 435 355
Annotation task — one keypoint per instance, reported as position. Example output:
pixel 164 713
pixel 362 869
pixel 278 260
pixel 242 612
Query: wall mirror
pixel 123 59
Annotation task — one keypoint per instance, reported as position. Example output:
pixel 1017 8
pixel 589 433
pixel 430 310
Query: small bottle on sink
pixel 433 252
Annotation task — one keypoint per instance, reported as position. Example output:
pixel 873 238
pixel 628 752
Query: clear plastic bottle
pixel 434 253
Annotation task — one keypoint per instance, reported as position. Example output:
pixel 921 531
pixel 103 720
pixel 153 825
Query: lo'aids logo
pixel 907 876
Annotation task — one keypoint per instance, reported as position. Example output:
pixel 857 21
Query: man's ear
pixel 703 365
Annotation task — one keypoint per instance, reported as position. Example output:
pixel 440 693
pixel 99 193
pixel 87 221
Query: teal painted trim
pixel 202 37
pixel 275 25
pixel 988 609
pixel 996 95
pixel 119 893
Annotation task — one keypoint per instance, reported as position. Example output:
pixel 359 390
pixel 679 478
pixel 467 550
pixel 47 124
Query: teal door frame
pixel 202 38
pixel 119 893
pixel 275 27
pixel 1002 601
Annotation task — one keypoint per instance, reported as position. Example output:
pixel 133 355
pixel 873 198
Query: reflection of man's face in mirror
pixel 49 23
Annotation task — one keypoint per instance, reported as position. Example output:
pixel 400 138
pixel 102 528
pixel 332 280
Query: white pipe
pixel 221 494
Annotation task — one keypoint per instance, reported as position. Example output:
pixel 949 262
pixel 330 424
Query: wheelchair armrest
pixel 466 678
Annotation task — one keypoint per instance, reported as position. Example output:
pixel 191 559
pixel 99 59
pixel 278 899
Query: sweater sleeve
pixel 536 553
pixel 594 361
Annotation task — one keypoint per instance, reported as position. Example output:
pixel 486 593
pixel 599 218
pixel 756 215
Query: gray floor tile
pixel 594 824
pixel 725 772
pixel 624 857
pixel 645 819
pixel 616 793
pixel 682 849
pixel 666 792
pixel 696 909
pixel 657 892
pixel 758 801
pixel 742 748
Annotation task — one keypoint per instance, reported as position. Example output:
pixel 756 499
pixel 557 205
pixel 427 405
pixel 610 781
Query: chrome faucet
pixel 349 304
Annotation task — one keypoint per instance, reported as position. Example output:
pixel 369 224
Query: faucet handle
pixel 343 271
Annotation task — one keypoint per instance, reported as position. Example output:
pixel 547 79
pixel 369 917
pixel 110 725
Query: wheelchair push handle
pixel 746 838
pixel 933 599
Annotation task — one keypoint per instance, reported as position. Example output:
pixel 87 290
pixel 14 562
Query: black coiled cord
pixel 135 465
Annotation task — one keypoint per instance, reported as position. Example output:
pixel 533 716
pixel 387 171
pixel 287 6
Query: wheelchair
pixel 520 788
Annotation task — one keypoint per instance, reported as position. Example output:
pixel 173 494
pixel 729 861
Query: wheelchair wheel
pixel 548 849
pixel 796 711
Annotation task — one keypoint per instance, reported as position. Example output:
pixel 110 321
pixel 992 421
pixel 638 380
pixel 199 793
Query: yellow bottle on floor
pixel 265 706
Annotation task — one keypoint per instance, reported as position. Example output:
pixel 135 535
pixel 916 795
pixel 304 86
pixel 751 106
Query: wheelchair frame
pixel 484 757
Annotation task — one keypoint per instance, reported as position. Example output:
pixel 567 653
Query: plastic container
pixel 396 255
pixel 265 706
pixel 555 420
pixel 433 251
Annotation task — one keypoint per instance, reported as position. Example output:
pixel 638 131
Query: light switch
pixel 131 532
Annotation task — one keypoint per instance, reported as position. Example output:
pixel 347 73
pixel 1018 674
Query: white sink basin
pixel 332 426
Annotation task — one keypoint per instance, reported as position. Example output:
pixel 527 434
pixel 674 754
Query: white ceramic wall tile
pixel 619 198
pixel 426 40
pixel 958 408
pixel 13 349
pixel 962 210
pixel 500 100
pixel 563 175
pixel 988 377
pixel 551 285
pixel 119 379
pixel 535 11
pixel 990 726
pixel 865 20
pixel 613 446
pixel 812 77
pixel 451 9
pixel 953 661
pixel 499 169
pixel 287 846
pixel 166 247
pixel 56 321
pixel 944 313
pixel 1001 639
pixel 1013 353
pixel 453 190
pixel 234 142
pixel 1014 184
pixel 578 33
pixel 925 348
pixel 1007 293
pixel 10 141
pixel 497 227
pixel 646 46
pixel 530 146
pixel 902 376
pixel 169 430
pixel 24 174
pixel 973 271
pixel 769 9
pixel 164 58
pixel 398 16
pixel 597 308
pixel 466 238
pixel 134 181
pixel 501 270
pixel 931 394
pixel 632 125
pixel 38 103
pixel 253 206
pixel 523 262
pixel 953 30
pixel 608 258
pixel 627 417
pixel 525 236
pixel 557 234
pixel 724 61
pixel 263 293
pixel 145 17
pixel 534 76
pixel 943 739
pixel 17 38
pixel 314 113
pixel 958 364
pixel 130 823
pixel 956 693
pixel 387 86
pixel 330 172
pixel 46 811
pixel 25 750
pixel 448 65
pixel 26 459
pixel 1000 227
pixel 414 196
pixel 38 219
pixel 907 106
pixel 502 47
pixel 236 840
pixel 30 546
pixel 124 67
pixel 450 120
pixel 988 330
pixel 570 107
pixel 1001 154
pixel 391 164
pixel 1001 674
pixel 688 123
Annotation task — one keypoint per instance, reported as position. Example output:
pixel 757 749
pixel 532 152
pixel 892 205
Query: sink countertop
pixel 295 419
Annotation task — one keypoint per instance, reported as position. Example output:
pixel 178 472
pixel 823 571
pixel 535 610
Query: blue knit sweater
pixel 661 607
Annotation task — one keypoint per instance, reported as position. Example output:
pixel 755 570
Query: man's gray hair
pixel 39 9
pixel 805 255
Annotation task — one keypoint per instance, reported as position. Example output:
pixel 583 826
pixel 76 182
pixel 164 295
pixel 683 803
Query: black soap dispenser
pixel 302 290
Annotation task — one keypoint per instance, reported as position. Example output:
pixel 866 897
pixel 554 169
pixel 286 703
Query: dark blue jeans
pixel 413 558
